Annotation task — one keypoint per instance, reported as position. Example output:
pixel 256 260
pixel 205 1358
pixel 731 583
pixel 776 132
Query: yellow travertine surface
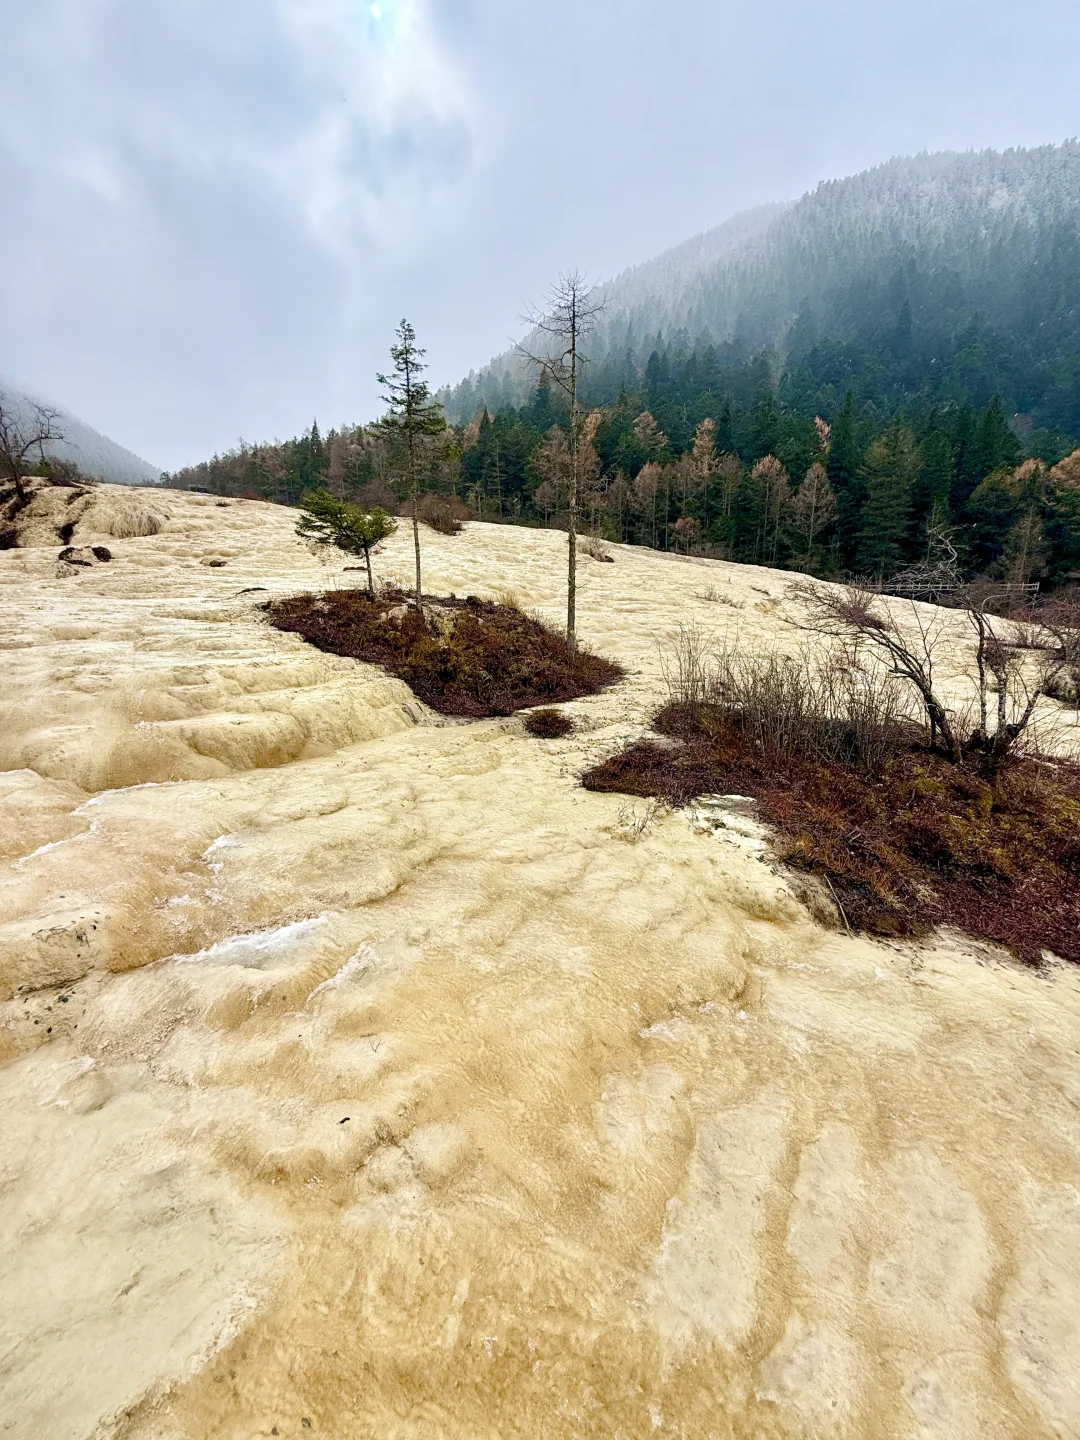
pixel 365 1077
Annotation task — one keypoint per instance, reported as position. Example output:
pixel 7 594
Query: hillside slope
pixel 364 1076
pixel 948 276
pixel 95 454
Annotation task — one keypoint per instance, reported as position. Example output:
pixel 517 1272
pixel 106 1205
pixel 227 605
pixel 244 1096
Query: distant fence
pixel 1008 593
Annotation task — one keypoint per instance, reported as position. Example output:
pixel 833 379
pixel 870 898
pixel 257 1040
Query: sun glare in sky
pixel 376 12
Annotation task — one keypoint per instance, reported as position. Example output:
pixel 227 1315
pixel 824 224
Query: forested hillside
pixel 885 371
pixel 937 278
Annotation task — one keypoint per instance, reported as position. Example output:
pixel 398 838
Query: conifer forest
pixel 882 376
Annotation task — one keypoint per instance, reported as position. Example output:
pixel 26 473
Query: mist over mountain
pixel 885 371
pixel 95 454
pixel 928 279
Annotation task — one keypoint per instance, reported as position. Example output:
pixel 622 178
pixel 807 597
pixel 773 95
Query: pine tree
pixel 992 509
pixel 1064 480
pixel 933 493
pixel 994 444
pixel 766 426
pixel 328 521
pixel 412 414
pixel 892 464
pixel 725 438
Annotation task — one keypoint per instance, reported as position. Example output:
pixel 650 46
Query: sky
pixel 216 211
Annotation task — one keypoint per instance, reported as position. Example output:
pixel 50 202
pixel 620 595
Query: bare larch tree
pixel 566 320
pixel 20 437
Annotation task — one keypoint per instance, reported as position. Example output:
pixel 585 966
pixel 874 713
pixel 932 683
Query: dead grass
pixel 462 657
pixel 921 843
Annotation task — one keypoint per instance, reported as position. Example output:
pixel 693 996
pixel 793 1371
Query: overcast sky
pixel 216 210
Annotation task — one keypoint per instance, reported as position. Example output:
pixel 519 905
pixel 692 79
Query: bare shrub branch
pixel 1011 666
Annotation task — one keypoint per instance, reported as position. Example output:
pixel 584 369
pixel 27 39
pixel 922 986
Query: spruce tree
pixel 846 479
pixel 932 490
pixel 995 444
pixel 329 522
pixel 992 509
pixel 892 465
pixel 766 431
pixel 412 414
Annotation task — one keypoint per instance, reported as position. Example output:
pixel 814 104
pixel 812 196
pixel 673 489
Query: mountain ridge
pixel 982 241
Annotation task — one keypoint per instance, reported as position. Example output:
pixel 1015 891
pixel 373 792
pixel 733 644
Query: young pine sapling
pixel 328 522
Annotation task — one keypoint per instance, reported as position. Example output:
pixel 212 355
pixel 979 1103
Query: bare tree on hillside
pixel 566 320
pixel 20 438
pixel 811 510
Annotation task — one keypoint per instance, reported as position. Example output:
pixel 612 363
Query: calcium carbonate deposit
pixel 365 1077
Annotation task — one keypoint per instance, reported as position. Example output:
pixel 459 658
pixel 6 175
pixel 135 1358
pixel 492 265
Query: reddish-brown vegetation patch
pixel 548 724
pixel 921 843
pixel 462 657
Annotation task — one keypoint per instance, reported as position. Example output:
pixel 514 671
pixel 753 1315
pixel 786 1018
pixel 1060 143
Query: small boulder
pixel 73 558
pixel 1065 686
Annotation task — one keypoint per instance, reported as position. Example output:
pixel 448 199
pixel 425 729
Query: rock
pixel 1065 687
pixel 73 558
pixel 56 947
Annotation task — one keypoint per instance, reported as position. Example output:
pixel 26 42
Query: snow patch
pixel 256 947
pixel 55 845
pixel 357 962
pixel 124 790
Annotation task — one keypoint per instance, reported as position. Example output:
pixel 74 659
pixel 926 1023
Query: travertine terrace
pixel 365 1077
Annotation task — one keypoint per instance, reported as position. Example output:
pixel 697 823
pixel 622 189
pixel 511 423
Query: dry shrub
pixel 548 724
pixel 593 546
pixel 906 838
pixel 462 657
pixel 135 523
pixel 1061 615
pixel 824 707
pixel 713 596
pixel 442 513
pixel 631 823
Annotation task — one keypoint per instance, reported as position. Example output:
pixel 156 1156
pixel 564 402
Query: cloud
pixel 217 185
pixel 362 125
pixel 217 210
